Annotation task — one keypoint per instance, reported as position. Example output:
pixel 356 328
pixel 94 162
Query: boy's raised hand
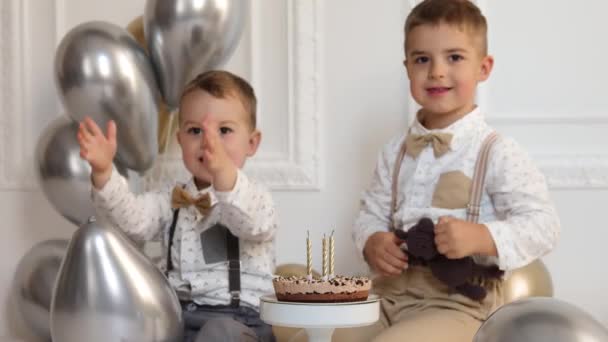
pixel 98 149
pixel 222 168
pixel 383 254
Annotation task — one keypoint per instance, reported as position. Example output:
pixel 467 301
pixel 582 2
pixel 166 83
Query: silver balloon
pixel 108 291
pixel 541 319
pixel 187 37
pixel 65 178
pixel 102 72
pixel 34 278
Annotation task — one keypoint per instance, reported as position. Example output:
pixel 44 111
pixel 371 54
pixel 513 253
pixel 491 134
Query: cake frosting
pixel 336 289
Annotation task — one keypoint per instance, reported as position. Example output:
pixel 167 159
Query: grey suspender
pixel 479 175
pixel 234 263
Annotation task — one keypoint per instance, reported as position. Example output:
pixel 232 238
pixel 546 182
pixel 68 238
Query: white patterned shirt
pixel 200 269
pixel 515 204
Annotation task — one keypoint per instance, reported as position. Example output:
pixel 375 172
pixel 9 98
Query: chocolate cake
pixel 334 290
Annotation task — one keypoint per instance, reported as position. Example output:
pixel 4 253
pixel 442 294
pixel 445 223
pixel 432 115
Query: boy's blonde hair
pixel 222 84
pixel 462 13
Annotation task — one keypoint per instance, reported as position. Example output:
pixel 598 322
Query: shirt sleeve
pixel 139 216
pixel 248 210
pixel 527 227
pixel 374 214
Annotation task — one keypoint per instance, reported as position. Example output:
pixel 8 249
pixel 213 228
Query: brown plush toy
pixel 457 274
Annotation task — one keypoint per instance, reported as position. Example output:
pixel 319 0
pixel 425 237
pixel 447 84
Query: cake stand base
pixel 319 320
pixel 319 334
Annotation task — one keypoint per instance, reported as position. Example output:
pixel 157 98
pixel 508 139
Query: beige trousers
pixel 417 307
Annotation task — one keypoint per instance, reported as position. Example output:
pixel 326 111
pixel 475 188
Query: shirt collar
pixel 462 129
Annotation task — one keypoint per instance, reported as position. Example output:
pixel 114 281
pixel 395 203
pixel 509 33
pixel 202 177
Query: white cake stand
pixel 319 319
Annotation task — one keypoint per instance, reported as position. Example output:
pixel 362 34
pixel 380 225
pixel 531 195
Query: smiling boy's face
pixel 228 116
pixel 444 65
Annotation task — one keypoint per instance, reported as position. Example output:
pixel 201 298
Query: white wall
pixel 332 91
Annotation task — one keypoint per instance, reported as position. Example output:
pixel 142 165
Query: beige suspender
pixel 395 183
pixel 479 175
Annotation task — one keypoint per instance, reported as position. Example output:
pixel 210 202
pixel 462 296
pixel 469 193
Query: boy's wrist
pixel 485 242
pixel 224 180
pixel 99 178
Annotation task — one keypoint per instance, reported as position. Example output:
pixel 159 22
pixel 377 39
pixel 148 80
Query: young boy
pixel 429 172
pixel 219 227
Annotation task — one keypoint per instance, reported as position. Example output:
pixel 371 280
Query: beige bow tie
pixel 180 198
pixel 440 142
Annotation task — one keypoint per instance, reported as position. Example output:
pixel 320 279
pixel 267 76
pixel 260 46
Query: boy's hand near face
pixel 98 149
pixel 383 254
pixel 457 238
pixel 215 158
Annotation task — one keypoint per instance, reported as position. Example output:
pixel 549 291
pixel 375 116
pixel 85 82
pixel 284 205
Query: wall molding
pixel 563 171
pixel 539 118
pixel 300 168
pixel 574 171
pixel 12 134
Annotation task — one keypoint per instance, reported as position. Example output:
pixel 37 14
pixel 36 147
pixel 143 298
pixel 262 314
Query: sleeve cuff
pixel 361 239
pixel 114 184
pixel 498 230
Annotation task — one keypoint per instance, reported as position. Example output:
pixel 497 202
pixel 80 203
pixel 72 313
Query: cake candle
pixel 325 270
pixel 331 255
pixel 308 256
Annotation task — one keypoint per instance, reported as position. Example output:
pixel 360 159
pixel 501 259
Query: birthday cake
pixel 332 290
pixel 325 289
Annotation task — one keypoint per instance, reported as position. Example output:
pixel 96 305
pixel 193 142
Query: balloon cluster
pixel 133 76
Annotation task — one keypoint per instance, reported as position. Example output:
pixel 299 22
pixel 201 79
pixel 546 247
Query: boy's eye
pixel 455 58
pixel 225 130
pixel 421 60
pixel 194 130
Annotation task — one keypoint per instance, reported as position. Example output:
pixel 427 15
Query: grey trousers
pixel 214 323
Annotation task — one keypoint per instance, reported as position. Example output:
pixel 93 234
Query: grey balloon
pixel 65 178
pixel 541 319
pixel 34 278
pixel 102 72
pixel 187 37
pixel 108 291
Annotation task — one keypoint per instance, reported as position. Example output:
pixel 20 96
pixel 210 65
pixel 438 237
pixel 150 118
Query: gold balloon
pixel 136 28
pixel 167 125
pixel 532 280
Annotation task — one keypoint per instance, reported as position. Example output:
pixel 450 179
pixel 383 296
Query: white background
pixel 332 91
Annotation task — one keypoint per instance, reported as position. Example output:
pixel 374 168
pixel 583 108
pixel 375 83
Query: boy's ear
pixel 178 137
pixel 487 63
pixel 254 142
pixel 407 67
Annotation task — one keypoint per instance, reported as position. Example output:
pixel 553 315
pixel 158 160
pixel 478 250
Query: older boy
pixel 430 171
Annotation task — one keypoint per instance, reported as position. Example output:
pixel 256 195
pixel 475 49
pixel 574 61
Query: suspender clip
pixel 473 210
pixel 235 298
